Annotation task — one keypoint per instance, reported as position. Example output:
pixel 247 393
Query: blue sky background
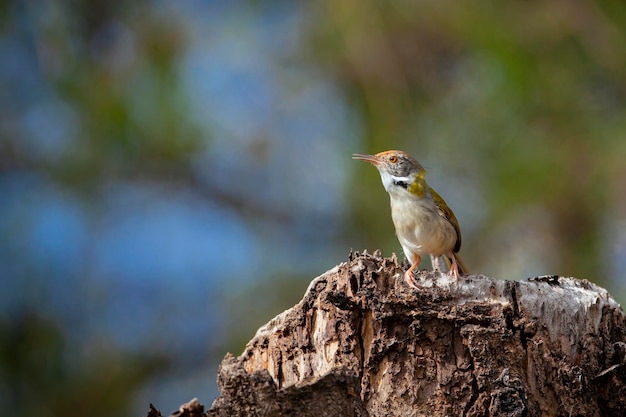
pixel 145 265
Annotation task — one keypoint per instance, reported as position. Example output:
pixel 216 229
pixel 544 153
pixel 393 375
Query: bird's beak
pixel 372 159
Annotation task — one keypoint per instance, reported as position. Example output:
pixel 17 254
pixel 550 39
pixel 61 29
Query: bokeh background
pixel 174 173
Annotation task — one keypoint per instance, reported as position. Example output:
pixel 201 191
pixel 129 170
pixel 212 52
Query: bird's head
pixel 399 171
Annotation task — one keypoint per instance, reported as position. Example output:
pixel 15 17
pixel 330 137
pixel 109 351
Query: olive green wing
pixel 445 211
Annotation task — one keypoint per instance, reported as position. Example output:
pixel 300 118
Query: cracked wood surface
pixel 363 343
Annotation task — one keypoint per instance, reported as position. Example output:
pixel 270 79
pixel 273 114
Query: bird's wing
pixel 445 211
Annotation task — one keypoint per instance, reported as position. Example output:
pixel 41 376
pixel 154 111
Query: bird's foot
pixel 410 279
pixel 454 269
pixel 408 276
pixel 455 274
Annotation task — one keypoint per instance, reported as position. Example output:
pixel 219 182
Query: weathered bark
pixel 363 343
pixel 191 409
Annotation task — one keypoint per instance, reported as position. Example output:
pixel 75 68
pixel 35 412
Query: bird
pixel 424 223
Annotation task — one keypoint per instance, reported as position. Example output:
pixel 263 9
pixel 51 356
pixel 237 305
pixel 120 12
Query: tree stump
pixel 363 343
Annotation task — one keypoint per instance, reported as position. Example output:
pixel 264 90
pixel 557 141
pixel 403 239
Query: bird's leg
pixel 408 276
pixel 454 268
pixel 438 263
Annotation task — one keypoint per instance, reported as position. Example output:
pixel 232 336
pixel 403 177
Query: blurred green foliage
pixel 525 99
pixel 43 374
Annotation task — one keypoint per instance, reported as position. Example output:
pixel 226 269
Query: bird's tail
pixel 459 263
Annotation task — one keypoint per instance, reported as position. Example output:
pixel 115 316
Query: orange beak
pixel 372 159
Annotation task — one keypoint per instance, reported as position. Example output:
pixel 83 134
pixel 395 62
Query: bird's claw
pixel 410 279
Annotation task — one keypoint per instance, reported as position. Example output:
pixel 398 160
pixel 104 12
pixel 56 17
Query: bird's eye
pixel 393 159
